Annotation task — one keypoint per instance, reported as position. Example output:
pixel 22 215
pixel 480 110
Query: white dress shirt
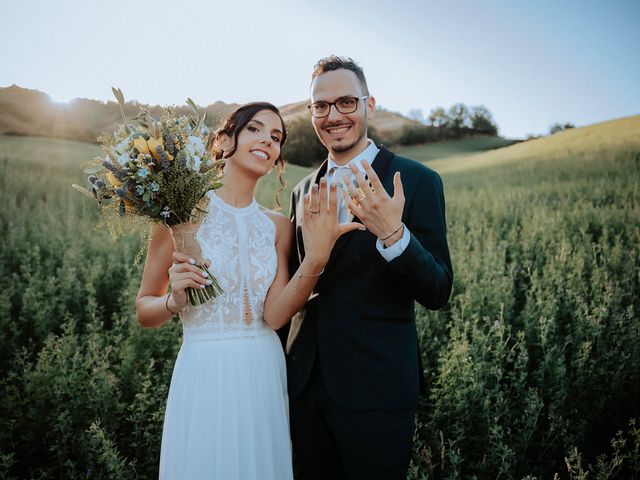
pixel 339 175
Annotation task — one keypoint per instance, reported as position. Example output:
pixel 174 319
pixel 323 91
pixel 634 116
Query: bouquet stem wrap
pixel 185 241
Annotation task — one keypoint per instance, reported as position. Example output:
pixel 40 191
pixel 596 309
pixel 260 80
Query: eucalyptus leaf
pixel 193 106
pixel 118 94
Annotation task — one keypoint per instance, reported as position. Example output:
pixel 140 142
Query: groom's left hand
pixel 380 213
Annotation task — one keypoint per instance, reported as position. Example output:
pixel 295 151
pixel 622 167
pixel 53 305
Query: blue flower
pixel 154 187
pixel 140 190
pixel 143 172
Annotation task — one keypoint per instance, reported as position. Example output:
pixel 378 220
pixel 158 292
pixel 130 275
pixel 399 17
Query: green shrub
pixel 533 369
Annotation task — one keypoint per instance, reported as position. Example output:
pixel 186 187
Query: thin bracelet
pixel 166 304
pixel 300 274
pixel 397 230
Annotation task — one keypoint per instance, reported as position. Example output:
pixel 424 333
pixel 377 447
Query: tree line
pixel 459 121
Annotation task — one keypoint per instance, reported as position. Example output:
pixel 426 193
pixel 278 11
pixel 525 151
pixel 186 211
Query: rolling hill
pixel 29 112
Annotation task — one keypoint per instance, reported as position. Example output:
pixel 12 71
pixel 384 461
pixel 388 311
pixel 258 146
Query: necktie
pixel 338 176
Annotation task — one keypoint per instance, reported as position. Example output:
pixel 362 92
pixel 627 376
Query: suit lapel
pixel 380 165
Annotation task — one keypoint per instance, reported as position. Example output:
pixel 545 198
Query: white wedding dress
pixel 227 414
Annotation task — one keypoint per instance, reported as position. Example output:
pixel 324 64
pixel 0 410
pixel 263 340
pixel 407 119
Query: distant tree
pixel 303 147
pixel 558 127
pixel 412 134
pixel 482 121
pixel 555 128
pixel 438 117
pixel 417 115
pixel 459 117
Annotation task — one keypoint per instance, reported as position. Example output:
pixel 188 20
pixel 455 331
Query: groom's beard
pixel 346 147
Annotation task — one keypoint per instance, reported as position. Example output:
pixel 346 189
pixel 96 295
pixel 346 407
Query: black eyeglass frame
pixel 335 104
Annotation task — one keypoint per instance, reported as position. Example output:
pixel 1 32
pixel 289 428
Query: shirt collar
pixel 368 154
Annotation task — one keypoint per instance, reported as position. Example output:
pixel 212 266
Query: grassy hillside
pixel 613 136
pixel 533 369
pixel 434 151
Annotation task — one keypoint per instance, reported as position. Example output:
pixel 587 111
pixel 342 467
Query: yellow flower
pixel 153 144
pixel 141 145
pixel 113 180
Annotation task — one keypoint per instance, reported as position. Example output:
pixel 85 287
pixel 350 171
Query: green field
pixel 466 146
pixel 533 369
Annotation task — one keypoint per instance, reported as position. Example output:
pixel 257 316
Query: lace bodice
pixel 240 242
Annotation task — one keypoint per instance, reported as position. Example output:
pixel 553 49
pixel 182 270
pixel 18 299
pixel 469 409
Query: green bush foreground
pixel 533 370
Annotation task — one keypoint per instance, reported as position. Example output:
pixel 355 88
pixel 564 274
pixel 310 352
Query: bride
pixel 227 410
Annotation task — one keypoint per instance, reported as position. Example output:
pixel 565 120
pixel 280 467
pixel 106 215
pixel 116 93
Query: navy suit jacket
pixel 360 320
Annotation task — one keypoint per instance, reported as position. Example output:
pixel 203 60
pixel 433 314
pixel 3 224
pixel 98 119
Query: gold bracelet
pixel 397 230
pixel 300 274
pixel 166 304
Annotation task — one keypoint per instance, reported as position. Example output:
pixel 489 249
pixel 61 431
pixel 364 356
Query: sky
pixel 531 63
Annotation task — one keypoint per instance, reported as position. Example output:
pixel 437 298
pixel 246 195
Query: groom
pixel 353 360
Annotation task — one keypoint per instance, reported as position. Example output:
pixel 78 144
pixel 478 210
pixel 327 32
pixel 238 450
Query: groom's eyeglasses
pixel 343 105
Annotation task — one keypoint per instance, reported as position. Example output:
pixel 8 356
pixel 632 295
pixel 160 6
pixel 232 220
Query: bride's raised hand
pixel 320 225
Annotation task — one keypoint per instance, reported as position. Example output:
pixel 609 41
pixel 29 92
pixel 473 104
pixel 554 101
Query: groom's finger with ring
pixel 356 194
pixel 363 184
pixel 353 191
pixel 348 201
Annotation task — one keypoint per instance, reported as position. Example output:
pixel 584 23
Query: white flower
pixel 124 159
pixel 195 146
pixel 123 146
pixel 195 163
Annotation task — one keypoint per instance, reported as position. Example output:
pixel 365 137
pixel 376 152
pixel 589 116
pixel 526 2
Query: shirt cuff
pixel 395 250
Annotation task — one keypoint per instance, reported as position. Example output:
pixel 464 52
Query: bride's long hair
pixel 233 124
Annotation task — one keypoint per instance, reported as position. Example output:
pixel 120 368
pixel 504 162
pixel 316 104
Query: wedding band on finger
pixel 314 212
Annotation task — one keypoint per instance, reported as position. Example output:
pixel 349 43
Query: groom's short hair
pixel 333 62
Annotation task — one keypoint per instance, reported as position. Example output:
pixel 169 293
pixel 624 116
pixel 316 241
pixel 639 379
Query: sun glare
pixel 61 99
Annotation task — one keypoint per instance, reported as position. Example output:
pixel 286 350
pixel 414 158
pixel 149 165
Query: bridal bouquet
pixel 159 169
